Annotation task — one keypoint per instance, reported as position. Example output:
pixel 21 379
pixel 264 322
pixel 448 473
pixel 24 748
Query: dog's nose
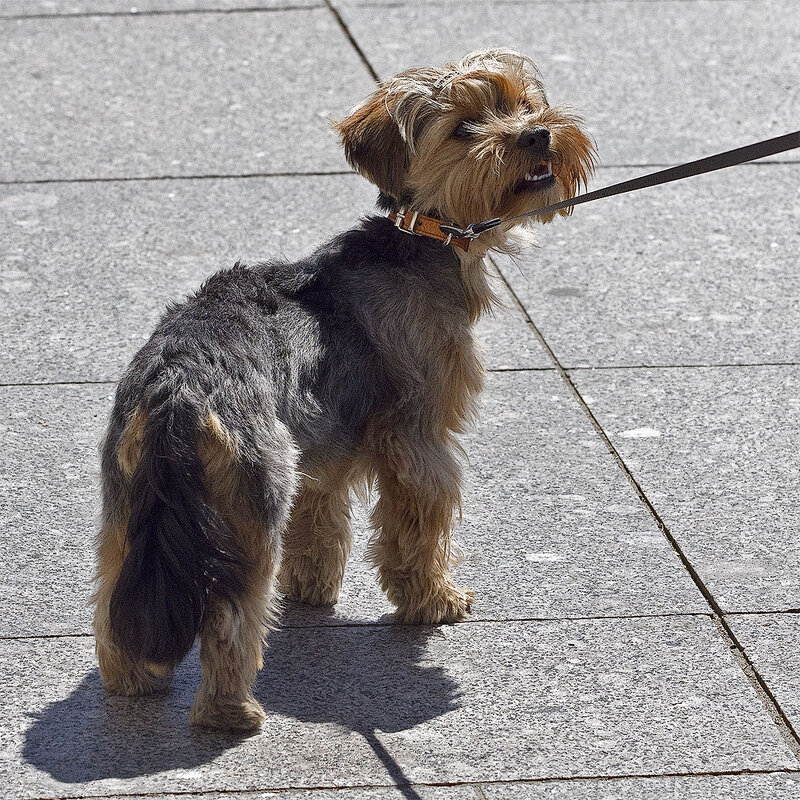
pixel 535 139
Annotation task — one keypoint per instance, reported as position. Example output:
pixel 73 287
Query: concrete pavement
pixel 631 514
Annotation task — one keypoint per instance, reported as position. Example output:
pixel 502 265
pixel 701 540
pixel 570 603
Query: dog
pixel 259 403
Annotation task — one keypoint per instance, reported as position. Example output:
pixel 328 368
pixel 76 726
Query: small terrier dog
pixel 241 427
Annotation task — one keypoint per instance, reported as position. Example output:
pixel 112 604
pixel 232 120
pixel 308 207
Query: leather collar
pixel 417 224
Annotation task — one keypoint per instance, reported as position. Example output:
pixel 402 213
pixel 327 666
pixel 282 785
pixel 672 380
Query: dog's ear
pixel 373 144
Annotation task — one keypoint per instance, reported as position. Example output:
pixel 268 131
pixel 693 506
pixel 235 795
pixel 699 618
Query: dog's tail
pixel 179 546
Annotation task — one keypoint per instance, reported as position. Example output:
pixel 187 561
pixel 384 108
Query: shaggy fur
pixel 241 427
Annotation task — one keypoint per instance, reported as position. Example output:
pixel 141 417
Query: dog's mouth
pixel 540 177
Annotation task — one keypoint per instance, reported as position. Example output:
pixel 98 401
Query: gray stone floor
pixel 631 524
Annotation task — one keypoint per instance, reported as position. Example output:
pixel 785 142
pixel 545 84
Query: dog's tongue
pixel 541 169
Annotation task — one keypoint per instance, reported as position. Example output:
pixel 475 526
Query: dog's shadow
pixel 363 678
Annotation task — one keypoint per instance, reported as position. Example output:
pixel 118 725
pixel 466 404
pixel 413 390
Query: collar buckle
pixel 400 219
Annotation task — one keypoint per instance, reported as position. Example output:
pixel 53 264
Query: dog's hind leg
pixel 418 481
pixel 254 498
pixel 233 637
pixel 317 541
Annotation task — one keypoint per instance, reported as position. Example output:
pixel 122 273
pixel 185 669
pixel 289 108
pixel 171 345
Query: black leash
pixel 731 158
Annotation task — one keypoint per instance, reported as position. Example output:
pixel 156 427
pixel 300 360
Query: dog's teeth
pixel 529 178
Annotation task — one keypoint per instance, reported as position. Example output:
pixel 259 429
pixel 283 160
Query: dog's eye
pixel 465 129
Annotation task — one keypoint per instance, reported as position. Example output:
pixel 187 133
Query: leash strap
pixel 730 158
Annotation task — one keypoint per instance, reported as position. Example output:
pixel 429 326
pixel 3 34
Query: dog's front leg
pixel 419 490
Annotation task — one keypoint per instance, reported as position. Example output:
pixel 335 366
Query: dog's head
pixel 470 140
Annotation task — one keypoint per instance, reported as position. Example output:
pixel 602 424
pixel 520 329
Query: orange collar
pixel 419 225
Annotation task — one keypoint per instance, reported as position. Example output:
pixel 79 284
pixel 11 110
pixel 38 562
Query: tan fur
pixel 317 541
pixel 218 452
pixel 119 673
pixel 233 636
pixel 130 446
pixel 419 492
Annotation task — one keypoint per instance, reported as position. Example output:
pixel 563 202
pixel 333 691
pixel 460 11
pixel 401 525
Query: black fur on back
pixel 179 546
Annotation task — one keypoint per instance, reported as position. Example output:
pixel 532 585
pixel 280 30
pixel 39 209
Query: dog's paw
pixel 228 713
pixel 136 680
pixel 445 605
pixel 300 580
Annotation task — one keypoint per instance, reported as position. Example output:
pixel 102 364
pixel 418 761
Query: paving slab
pixel 387 705
pixel 28 8
pixel 700 272
pixel 186 94
pixel 505 338
pixel 717 75
pixel 772 642
pixel 705 787
pixel 716 451
pixel 86 270
pixel 551 528
pixel 49 503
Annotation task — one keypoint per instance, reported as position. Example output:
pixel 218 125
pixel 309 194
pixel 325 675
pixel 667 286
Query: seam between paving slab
pixel 159 12
pixel 756 613
pixel 412 795
pixel 151 178
pixel 404 3
pixel 492 370
pixel 758 683
pixel 309 174
pixel 445 3
pixel 37 384
pixel 686 366
pixel 469 621
pixel 350 38
pixel 393 624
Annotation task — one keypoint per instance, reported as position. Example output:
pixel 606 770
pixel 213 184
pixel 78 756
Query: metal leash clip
pixel 472 231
